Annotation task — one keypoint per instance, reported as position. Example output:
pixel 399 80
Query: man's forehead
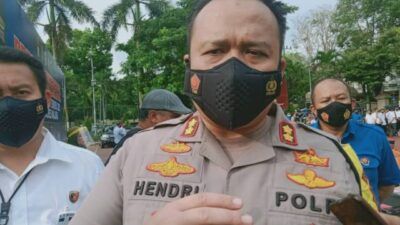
pixel 16 73
pixel 330 87
pixel 229 12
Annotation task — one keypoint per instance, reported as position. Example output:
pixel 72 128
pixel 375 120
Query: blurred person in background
pixel 158 106
pixel 370 118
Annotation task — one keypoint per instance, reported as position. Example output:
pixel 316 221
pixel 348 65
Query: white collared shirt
pixel 59 170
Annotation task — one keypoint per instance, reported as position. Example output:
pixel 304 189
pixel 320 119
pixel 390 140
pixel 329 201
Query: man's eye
pixel 214 52
pixel 256 53
pixel 22 92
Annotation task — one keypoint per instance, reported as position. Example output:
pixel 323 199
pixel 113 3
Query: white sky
pixel 305 7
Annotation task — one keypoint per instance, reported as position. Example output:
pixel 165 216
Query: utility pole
pixel 94 127
pixel 309 78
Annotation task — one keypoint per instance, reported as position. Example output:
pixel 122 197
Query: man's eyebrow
pixel 19 86
pixel 263 44
pixel 217 42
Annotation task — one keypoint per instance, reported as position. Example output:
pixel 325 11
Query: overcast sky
pixel 305 7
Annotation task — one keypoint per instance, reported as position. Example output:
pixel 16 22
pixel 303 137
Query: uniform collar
pixel 192 129
pixel 50 150
pixel 284 132
pixel 350 130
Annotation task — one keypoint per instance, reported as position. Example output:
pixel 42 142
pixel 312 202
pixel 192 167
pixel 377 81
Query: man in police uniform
pixel 249 163
pixel 332 105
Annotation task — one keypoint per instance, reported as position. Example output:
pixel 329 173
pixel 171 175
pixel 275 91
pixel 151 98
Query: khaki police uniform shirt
pixel 289 177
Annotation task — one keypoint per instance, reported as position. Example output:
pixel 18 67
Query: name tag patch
pixel 163 190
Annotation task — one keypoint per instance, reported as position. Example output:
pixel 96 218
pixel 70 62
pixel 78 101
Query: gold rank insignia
pixel 171 168
pixel 271 87
pixel 176 147
pixel 325 116
pixel 195 83
pixel 39 109
pixel 287 133
pixel 191 127
pixel 310 179
pixel 347 114
pixel 311 158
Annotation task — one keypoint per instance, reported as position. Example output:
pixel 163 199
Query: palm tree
pixel 59 14
pixel 128 13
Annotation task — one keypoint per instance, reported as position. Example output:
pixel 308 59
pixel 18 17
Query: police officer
pixel 333 106
pixel 250 164
pixel 158 106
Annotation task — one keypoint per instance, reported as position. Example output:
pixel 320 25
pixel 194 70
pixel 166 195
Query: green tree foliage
pixel 297 76
pixel 58 14
pixel 128 14
pixel 114 94
pixel 368 31
pixel 155 54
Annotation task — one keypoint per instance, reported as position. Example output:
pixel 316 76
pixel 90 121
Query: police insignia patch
pixel 325 116
pixel 73 196
pixel 287 133
pixel 347 114
pixel 364 161
pixel 191 127
pixel 311 158
pixel 171 168
pixel 39 109
pixel 195 83
pixel 176 147
pixel 310 179
pixel 271 87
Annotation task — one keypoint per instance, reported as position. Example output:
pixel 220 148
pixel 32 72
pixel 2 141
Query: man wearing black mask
pixel 332 105
pixel 237 160
pixel 42 181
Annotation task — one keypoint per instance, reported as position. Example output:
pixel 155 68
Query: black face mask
pixel 232 94
pixel 20 119
pixel 335 114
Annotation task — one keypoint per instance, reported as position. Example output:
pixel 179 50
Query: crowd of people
pixel 235 160
pixel 387 119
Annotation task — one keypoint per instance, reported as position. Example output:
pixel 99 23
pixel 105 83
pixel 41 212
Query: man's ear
pixel 313 110
pixel 47 95
pixel 152 116
pixel 186 59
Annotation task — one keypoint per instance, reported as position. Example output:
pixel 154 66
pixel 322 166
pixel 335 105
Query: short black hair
pixel 277 8
pixel 143 114
pixel 11 55
pixel 328 78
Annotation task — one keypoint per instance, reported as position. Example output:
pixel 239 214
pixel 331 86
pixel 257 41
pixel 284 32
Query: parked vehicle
pixel 107 138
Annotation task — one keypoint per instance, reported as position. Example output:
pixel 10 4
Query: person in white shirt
pixel 119 132
pixel 369 118
pixel 42 181
pixel 381 119
pixel 391 122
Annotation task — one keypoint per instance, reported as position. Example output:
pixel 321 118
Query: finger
pixel 207 200
pixel 215 216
